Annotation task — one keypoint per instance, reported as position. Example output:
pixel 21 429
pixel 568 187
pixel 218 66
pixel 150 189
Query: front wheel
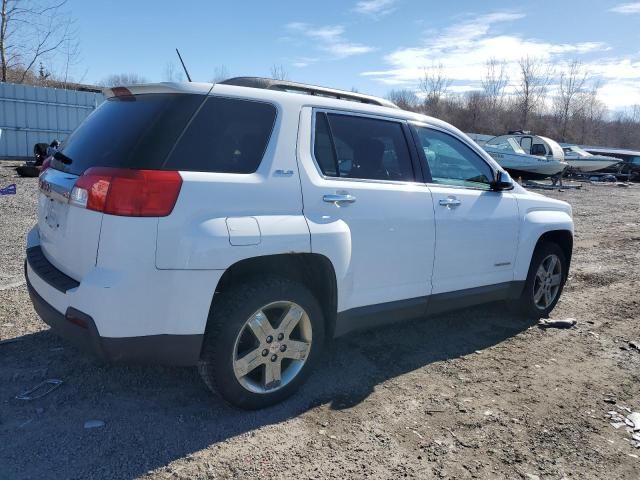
pixel 545 281
pixel 261 342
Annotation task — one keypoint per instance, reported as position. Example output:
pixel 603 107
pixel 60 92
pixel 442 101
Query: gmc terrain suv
pixel 239 226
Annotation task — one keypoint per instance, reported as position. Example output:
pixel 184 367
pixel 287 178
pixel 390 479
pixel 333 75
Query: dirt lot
pixel 473 394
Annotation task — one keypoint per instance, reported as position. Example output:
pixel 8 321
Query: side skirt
pixel 371 316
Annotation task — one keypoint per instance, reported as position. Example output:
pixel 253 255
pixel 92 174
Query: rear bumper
pixel 80 329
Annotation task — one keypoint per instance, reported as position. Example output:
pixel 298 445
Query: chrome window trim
pixel 400 122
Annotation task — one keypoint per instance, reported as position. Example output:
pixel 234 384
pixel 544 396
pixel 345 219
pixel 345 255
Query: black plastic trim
pixel 47 272
pixel 370 316
pixel 174 350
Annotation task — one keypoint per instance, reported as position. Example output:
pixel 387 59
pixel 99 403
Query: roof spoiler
pixel 163 87
pixel 294 87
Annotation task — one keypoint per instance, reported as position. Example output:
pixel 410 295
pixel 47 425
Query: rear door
pixel 367 211
pixel 476 228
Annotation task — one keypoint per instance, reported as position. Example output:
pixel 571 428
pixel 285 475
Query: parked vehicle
pixel 580 160
pixel 528 156
pixel 31 168
pixel 628 168
pixel 239 229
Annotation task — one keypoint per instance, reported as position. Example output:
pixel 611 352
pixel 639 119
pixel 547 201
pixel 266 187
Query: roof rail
pixel 294 87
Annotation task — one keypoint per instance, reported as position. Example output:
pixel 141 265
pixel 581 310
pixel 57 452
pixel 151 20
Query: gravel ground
pixel 472 394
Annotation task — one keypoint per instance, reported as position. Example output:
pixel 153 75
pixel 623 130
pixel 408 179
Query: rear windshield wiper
pixel 63 158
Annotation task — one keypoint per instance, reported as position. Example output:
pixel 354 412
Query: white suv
pixel 238 226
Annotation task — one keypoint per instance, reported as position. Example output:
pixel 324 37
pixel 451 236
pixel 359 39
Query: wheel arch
pixel 314 271
pixel 562 238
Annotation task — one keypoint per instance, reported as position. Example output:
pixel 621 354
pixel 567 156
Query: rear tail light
pixel 131 193
pixel 46 164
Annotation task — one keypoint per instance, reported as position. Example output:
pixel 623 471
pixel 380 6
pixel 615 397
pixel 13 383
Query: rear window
pixel 226 135
pixel 128 132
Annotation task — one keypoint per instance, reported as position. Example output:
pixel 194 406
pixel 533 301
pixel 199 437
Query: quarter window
pixel 360 147
pixel 451 162
pixel 227 135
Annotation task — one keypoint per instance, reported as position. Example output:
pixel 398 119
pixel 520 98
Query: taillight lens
pixel 46 164
pixel 131 193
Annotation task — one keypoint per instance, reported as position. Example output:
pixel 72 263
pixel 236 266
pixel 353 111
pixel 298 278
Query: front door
pixel 476 228
pixel 365 207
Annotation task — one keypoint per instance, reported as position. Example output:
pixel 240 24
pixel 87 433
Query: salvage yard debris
pixel 8 190
pixel 631 423
pixel 549 323
pixel 43 388
pixel 93 424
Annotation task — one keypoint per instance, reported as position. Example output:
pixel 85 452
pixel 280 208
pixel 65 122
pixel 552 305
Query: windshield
pixel 576 149
pixel 507 144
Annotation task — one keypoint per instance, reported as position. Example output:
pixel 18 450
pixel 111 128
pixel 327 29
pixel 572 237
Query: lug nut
pixel 269 339
pixel 274 358
pixel 283 348
pixel 280 336
pixel 265 352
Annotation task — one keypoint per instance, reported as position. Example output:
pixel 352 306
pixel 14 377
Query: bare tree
pixel 495 81
pixel 590 115
pixel 532 88
pixel 172 73
pixel 220 73
pixel 278 72
pixel 434 85
pixel 122 79
pixel 572 82
pixel 31 31
pixel 71 53
pixel 404 98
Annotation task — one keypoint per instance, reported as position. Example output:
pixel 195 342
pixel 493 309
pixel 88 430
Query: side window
pixel 451 162
pixel 322 147
pixel 360 147
pixel 227 135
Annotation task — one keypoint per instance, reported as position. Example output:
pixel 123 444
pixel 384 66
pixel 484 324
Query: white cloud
pixel 330 39
pixel 304 61
pixel 619 94
pixel 626 8
pixel 464 48
pixel 375 8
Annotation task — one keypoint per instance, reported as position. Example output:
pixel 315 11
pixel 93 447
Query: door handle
pixel 450 202
pixel 339 198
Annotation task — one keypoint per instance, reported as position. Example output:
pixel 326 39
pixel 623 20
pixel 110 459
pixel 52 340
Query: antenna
pixel 183 66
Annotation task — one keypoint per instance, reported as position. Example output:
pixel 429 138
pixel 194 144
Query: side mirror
pixel 502 182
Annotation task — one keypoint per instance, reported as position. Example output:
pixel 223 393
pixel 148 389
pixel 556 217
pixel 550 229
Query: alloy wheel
pixel 272 347
pixel 547 282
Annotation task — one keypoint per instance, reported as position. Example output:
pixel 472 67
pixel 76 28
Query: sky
pixel 370 45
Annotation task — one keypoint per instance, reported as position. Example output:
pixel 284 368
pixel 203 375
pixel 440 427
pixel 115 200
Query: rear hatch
pixel 131 136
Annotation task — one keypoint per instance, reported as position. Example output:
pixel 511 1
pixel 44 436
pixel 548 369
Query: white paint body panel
pixel 476 242
pixel 68 236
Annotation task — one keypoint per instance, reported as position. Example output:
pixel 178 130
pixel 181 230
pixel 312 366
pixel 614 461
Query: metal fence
pixel 30 115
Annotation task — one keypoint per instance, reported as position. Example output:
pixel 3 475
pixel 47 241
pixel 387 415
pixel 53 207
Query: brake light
pixel 46 164
pixel 125 192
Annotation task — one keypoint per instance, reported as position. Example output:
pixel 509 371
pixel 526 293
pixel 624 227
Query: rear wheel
pixel 545 281
pixel 261 342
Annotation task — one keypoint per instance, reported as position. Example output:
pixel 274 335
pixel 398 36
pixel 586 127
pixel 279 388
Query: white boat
pixel 582 161
pixel 527 156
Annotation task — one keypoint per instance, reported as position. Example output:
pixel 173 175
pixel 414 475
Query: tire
pixel 231 347
pixel 529 304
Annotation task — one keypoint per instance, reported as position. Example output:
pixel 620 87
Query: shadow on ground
pixel 156 415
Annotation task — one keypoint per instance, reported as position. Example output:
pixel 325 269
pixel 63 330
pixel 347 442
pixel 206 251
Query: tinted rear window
pixel 227 135
pixel 136 132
